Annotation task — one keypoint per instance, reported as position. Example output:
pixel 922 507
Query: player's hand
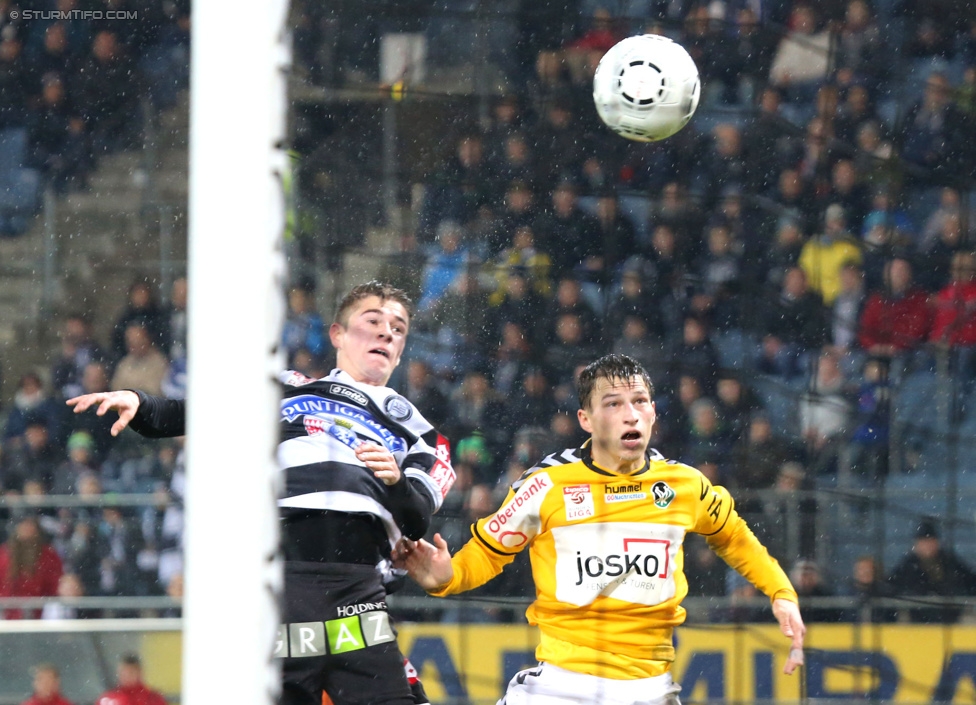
pixel 380 460
pixel 787 613
pixel 126 403
pixel 428 564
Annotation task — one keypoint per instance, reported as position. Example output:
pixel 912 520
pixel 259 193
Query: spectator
pixel 633 300
pixel 806 576
pixel 448 259
pixel 954 324
pixel 557 141
pixel 847 190
pixel 532 402
pixel 516 162
pixel 14 81
pixel 736 403
pixel 784 253
pixel 523 254
pixel 794 326
pixel 934 131
pixel 70 589
pixel 758 457
pixel 867 585
pixel 568 234
pixel 121 572
pixel 303 328
pixel 766 140
pixel 823 256
pixel 78 350
pixel 142 307
pixel 825 411
pixel 81 448
pixel 473 407
pixel 801 59
pixel 846 310
pixel 144 366
pixel 569 298
pixel 949 207
pixel 108 90
pixel 704 570
pixel 59 145
pixel 935 266
pixel 720 271
pixel 750 55
pixel 932 570
pixel 95 379
pixel 869 441
pixel 509 359
pixel 523 307
pixel 29 566
pixel 130 690
pixel 896 319
pixel 853 113
pixel 422 390
pixel 617 238
pixel 637 341
pixel 32 457
pixel 460 322
pixel 34 403
pixel 47 687
pixel 860 47
pixel 176 321
pixel 695 354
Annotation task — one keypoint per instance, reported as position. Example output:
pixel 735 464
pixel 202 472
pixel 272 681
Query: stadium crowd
pixel 814 243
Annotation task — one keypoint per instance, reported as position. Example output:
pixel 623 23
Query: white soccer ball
pixel 646 88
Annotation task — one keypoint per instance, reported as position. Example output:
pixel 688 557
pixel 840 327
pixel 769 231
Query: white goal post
pixel 238 102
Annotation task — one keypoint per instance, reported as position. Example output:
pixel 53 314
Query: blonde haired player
pixel 604 525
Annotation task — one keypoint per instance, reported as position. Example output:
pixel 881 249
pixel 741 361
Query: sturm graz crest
pixel 397 408
pixel 663 494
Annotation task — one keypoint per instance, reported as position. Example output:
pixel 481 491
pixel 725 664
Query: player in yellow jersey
pixel 604 526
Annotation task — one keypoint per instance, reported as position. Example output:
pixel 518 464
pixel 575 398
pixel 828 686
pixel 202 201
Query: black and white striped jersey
pixel 324 420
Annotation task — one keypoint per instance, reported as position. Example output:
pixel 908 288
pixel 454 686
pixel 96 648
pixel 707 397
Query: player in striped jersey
pixel 362 468
pixel 604 526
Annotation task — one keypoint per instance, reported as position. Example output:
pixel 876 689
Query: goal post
pixel 238 104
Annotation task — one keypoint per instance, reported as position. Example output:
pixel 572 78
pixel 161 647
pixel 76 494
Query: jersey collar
pixel 587 457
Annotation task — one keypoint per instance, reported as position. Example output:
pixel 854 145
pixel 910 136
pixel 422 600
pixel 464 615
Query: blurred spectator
pixel 935 266
pixel 633 300
pixel 509 359
pixel 897 318
pixel 447 260
pixel 825 410
pixel 473 407
pixel 568 350
pixel 874 157
pixel 176 320
pixel 637 341
pixel 47 687
pixel 121 573
pixel 457 189
pixel 954 324
pixel 460 321
pixel 531 402
pixel 750 55
pixel 523 307
pixel 142 307
pixel 795 325
pixel 801 59
pixel 708 440
pixel 784 253
pixel 617 238
pixel 720 270
pixel 422 390
pixel 70 589
pixel 808 580
pixel 932 26
pixel 869 440
pixel 569 235
pixel 704 569
pixel 795 200
pixel 144 366
pixel 675 209
pixel 758 457
pixel 303 328
pixel 933 131
pixel 824 255
pixel 34 403
pixel 569 298
pixel 130 690
pixel 523 254
pixel 695 353
pixel 725 163
pixel 78 350
pixel 29 566
pixel 736 403
pixel 846 310
pixel 32 457
pixel 849 192
pixel 860 47
pixel 95 379
pixel 949 207
pixel 558 145
pixel 934 571
pixel 14 81
pixel 854 112
pixel 59 145
pixel 867 585
pixel 766 139
pixel 81 449
pixel 108 86
pixel 515 162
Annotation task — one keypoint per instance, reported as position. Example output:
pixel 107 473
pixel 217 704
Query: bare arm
pixel 125 402
pixel 787 613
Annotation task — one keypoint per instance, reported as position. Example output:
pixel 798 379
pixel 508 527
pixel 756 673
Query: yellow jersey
pixel 607 559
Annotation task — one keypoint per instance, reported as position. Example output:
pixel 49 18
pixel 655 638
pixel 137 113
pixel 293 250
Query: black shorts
pixel 338 637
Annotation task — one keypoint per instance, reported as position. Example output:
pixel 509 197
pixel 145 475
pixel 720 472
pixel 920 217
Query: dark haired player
pixel 605 525
pixel 362 468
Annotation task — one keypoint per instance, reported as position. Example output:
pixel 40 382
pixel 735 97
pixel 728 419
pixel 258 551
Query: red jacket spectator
pixel 47 687
pixel 892 324
pixel 130 689
pixel 955 304
pixel 29 567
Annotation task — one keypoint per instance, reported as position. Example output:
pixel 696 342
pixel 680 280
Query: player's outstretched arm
pixel 787 613
pixel 125 402
pixel 428 564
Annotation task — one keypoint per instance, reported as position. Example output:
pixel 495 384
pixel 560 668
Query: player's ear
pixel 584 421
pixel 335 334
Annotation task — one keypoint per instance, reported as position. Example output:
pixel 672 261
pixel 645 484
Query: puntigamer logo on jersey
pixel 663 494
pixel 624 492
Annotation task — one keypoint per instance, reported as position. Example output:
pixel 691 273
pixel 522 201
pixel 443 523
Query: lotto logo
pixel 335 636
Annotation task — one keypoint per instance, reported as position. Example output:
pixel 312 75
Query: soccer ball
pixel 646 88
